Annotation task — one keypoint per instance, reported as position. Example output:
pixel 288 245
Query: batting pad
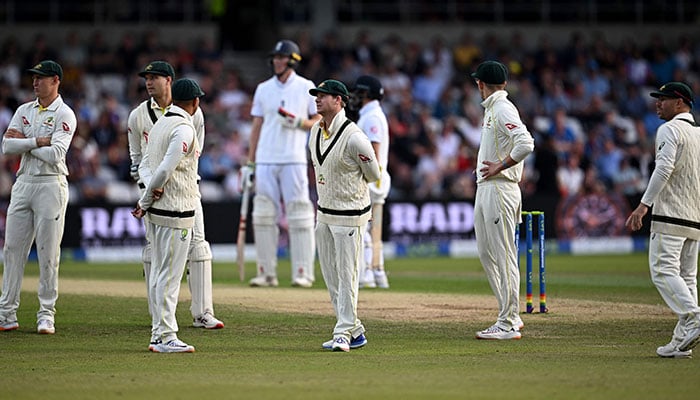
pixel 266 235
pixel 199 282
pixel 376 236
pixel 302 244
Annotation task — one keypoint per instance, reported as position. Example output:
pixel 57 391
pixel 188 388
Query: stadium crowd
pixel 586 103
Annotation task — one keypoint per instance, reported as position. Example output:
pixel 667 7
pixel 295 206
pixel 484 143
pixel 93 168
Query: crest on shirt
pixel 25 122
pixel 49 122
pixel 364 158
pixel 183 234
pixel 487 122
pixel 321 180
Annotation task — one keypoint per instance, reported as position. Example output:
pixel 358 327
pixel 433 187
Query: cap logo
pixel 38 66
pixel 149 67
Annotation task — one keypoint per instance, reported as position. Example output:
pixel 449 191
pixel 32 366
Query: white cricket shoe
pixel 670 350
pixel 264 281
pixel 380 279
pixel 173 346
pixel 45 327
pixel 497 333
pixel 207 321
pixel 692 338
pixel 302 282
pixel 355 343
pixel 341 344
pixel 6 325
pixel 367 279
pixel 519 324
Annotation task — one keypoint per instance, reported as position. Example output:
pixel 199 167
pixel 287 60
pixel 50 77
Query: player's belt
pixel 172 214
pixel 675 221
pixel 331 211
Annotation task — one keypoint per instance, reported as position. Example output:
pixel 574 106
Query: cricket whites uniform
pixel 675 220
pixel 498 203
pixel 281 173
pixel 344 163
pixel 37 203
pixel 173 215
pixel 374 124
pixel 141 121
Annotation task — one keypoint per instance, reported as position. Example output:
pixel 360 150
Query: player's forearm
pixel 18 146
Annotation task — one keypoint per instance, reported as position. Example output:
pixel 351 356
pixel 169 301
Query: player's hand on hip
pixel 490 169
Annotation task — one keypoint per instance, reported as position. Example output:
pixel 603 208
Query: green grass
pixel 99 350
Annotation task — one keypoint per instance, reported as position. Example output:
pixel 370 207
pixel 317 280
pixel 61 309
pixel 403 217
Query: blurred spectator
pixel 570 176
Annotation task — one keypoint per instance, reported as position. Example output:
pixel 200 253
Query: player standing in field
pixel 159 76
pixel 367 94
pixel 170 200
pixel 41 131
pixel 673 191
pixel 505 142
pixel 344 162
pixel 282 111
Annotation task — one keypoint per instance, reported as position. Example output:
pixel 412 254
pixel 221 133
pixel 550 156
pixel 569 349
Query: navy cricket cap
pixel 331 86
pixel 491 72
pixel 47 68
pixel 186 89
pixel 675 90
pixel 161 68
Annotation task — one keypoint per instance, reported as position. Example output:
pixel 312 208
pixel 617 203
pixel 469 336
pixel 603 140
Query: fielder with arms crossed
pixel 344 163
pixel 282 112
pixel 41 131
pixel 158 76
pixel 505 142
pixel 367 94
pixel 673 190
pixel 170 200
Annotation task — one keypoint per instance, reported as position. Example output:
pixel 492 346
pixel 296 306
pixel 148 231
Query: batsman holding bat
pixel 366 96
pixel 283 111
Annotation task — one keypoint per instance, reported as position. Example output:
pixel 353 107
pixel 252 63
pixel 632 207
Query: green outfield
pixel 598 341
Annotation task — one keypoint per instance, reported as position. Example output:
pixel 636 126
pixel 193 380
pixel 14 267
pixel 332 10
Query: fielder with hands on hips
pixel 505 142
pixel 282 112
pixel 159 76
pixel 344 162
pixel 673 191
pixel 170 199
pixel 41 131
pixel 366 95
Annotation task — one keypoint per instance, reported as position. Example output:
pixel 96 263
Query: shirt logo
pixel 25 122
pixel 511 126
pixel 184 147
pixel 364 158
pixel 65 127
pixel 145 136
pixel 49 122
pixel 321 180
pixel 183 234
pixel 661 146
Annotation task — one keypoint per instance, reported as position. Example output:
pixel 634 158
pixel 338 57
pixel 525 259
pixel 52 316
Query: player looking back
pixel 159 77
pixel 283 112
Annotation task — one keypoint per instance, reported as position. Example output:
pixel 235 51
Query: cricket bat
pixel 240 245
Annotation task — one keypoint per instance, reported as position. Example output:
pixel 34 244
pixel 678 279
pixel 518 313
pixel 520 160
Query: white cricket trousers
pixel 497 209
pixel 340 250
pixel 170 248
pixel 37 212
pixel 673 264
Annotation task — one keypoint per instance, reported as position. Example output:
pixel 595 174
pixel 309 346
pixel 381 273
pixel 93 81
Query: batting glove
pixel 134 172
pixel 247 175
pixel 289 120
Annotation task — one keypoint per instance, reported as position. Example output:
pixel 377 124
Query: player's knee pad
pixel 264 211
pixel 200 251
pixel 300 214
